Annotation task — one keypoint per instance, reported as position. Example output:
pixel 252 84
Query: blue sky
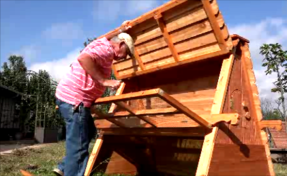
pixel 49 34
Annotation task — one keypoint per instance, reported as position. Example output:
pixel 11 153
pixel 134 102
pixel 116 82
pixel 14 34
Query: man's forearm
pixel 91 68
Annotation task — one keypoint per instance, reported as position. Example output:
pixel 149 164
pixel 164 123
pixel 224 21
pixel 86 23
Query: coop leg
pixel 94 155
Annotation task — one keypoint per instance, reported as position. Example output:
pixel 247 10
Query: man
pixel 83 84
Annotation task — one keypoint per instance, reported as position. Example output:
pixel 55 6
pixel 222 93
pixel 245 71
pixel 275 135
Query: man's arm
pixel 92 68
pixel 123 28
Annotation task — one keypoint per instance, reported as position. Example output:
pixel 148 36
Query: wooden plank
pixel 277 124
pixel 136 54
pixel 213 119
pixel 197 42
pixel 99 114
pixel 231 118
pixel 214 24
pixel 151 45
pixel 190 59
pixel 156 55
pixel 181 10
pixel 191 31
pixel 25 173
pixel 119 92
pixel 184 110
pixel 230 159
pixel 219 97
pixel 93 155
pixel 254 99
pixel 127 64
pixel 129 96
pixel 149 15
pixel 190 132
pixel 184 20
pixel 131 111
pixel 200 52
pixel 115 71
pixel 167 37
pixel 188 20
pixel 156 49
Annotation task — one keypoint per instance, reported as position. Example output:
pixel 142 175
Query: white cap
pixel 128 41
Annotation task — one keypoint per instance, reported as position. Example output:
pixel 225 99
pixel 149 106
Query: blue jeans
pixel 80 129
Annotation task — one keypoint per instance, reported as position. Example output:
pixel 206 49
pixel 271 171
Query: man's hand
pixel 114 84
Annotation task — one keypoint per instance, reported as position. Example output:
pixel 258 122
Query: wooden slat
pixel 184 110
pixel 93 156
pixel 129 96
pixel 127 64
pixel 149 15
pixel 99 114
pixel 200 52
pixel 119 92
pixel 191 31
pixel 197 42
pixel 190 132
pixel 214 24
pixel 277 124
pixel 151 45
pixel 167 37
pixel 136 54
pixel 254 99
pixel 209 139
pixel 187 60
pixel 182 40
pixel 186 19
pixel 131 111
pixel 115 71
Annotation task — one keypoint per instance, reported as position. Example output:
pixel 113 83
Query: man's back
pixel 77 86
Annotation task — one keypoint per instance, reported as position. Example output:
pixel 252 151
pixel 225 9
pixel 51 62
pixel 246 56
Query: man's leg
pixel 78 137
pixel 88 133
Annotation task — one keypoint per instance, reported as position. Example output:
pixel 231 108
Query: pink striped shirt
pixel 78 86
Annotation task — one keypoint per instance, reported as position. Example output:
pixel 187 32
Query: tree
pixel 269 111
pixel 275 61
pixel 16 76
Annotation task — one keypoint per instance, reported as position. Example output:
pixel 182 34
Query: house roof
pixel 279 137
pixel 11 90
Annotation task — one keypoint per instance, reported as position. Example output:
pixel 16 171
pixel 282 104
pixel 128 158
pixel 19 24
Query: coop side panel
pixel 190 31
pixel 240 149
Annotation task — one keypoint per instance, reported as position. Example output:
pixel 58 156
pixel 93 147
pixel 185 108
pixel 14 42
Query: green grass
pixel 42 161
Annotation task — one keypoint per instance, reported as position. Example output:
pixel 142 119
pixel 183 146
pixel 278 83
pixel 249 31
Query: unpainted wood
pixel 230 159
pixel 120 90
pixel 254 98
pixel 148 15
pixel 185 110
pixel 209 139
pixel 167 38
pixel 209 11
pixel 277 124
pixel 191 132
pixel 93 155
pixel 129 96
pixel 119 165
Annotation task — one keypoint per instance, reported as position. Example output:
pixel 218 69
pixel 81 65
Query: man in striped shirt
pixel 83 84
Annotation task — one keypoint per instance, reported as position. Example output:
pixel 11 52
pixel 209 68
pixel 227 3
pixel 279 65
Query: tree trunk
pixel 282 97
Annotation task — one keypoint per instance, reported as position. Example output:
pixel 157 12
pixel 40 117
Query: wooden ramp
pixel 188 104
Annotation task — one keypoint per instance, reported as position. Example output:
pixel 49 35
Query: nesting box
pixel 188 104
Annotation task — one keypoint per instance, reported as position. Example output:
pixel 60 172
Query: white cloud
pixel 28 52
pixel 64 31
pixel 270 30
pixel 109 11
pixel 58 67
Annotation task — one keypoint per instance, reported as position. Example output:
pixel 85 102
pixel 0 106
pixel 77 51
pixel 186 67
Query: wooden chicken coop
pixel 188 104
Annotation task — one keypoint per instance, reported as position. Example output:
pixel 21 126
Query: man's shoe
pixel 58 172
